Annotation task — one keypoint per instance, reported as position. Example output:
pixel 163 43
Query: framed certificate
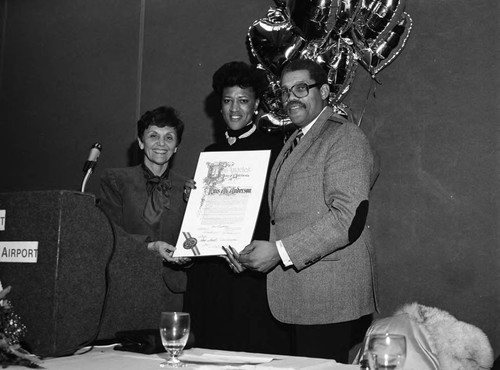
pixel 223 209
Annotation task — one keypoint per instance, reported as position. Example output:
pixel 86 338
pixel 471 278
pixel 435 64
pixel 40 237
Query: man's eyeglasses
pixel 300 90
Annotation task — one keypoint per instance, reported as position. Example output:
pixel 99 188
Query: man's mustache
pixel 294 103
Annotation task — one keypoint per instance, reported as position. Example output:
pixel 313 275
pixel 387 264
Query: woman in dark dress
pixel 228 310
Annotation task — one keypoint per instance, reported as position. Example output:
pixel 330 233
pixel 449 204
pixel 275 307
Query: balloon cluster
pixel 336 34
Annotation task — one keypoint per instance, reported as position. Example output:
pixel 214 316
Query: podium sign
pixel 22 252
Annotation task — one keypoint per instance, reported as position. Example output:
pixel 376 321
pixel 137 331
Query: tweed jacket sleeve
pixel 322 201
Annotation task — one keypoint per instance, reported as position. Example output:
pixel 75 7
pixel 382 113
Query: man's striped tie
pixel 285 156
pixel 292 147
pixel 296 140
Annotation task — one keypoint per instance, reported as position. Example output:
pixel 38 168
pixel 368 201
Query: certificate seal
pixel 191 243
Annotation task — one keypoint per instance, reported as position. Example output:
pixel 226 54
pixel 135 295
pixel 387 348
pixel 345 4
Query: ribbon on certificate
pixel 190 243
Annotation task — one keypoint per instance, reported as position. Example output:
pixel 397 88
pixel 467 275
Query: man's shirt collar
pixel 306 128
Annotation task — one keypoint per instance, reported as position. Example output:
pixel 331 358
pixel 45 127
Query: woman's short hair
pixel 238 74
pixel 161 117
pixel 316 72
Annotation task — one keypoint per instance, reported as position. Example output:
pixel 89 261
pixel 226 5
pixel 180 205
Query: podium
pixel 88 275
pixel 59 298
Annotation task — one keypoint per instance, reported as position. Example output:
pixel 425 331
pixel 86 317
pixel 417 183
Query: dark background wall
pixel 80 71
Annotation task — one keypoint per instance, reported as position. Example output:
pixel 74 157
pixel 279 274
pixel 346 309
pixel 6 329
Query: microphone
pixel 90 163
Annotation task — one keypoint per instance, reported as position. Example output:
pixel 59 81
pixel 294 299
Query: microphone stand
pixel 86 179
pixel 89 165
pixel 88 168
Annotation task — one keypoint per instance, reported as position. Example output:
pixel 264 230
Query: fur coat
pixel 436 340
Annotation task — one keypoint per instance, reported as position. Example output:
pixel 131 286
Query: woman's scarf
pixel 158 188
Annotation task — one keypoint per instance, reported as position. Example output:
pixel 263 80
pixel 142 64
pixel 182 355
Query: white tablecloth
pixel 105 358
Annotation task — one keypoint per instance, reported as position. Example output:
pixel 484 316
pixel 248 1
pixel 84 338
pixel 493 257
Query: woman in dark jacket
pixel 228 310
pixel 146 204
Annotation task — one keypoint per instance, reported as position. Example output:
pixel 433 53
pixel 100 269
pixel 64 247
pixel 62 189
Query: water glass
pixel 174 331
pixel 386 351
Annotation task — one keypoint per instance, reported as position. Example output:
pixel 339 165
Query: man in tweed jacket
pixel 319 260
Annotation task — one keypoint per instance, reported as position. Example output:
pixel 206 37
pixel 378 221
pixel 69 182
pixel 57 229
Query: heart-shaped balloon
pixel 345 15
pixel 337 58
pixel 375 19
pixel 315 50
pixel 342 69
pixel 310 16
pixel 381 54
pixel 270 98
pixel 274 121
pixel 274 40
pixel 274 117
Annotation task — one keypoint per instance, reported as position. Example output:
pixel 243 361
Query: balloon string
pixel 373 86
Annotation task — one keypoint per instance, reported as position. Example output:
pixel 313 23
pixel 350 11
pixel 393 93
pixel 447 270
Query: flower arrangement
pixel 11 333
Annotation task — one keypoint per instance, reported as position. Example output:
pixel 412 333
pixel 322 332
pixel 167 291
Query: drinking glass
pixel 174 331
pixel 386 351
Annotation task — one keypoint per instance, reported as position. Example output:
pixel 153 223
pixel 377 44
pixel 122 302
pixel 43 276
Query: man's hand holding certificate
pixel 223 208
